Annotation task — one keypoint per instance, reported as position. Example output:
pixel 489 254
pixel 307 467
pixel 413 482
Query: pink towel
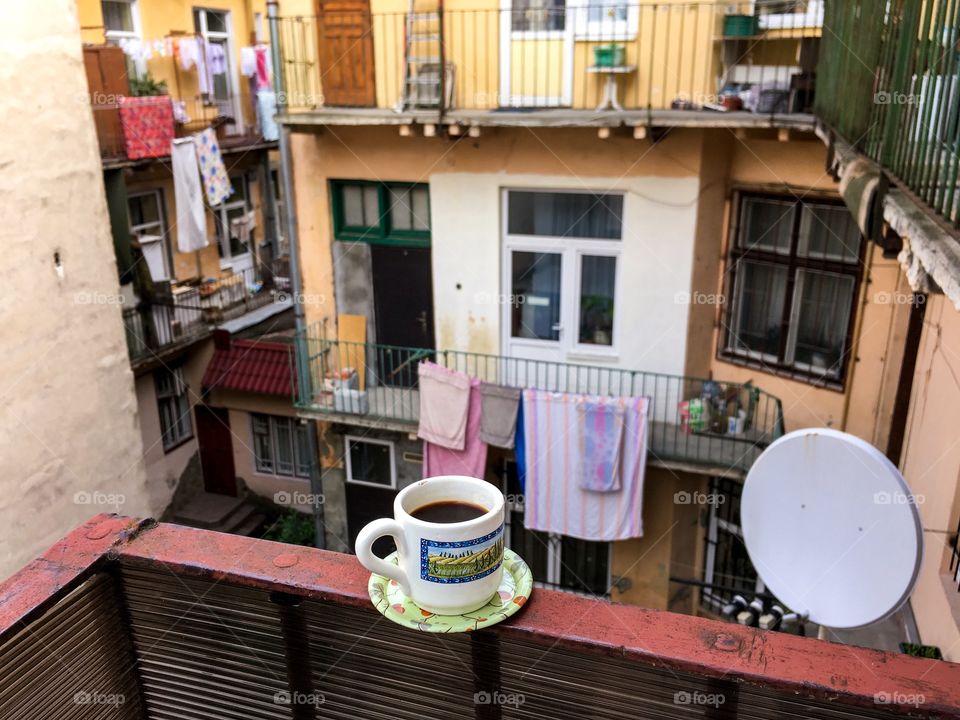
pixel 444 400
pixel 470 461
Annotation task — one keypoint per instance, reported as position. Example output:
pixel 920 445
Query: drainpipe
pixel 290 219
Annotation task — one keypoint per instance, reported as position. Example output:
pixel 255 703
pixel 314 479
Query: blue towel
pixel 520 451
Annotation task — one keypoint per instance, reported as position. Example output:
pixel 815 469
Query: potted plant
pixel 740 26
pixel 146 86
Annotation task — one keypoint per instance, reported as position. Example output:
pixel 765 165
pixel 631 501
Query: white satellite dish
pixel 832 528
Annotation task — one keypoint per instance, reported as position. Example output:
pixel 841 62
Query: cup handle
pixel 364 548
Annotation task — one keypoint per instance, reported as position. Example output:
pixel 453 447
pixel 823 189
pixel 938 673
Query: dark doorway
pixel 403 306
pixel 366 503
pixel 216 449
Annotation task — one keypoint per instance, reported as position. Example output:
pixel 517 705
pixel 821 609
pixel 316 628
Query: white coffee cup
pixel 445 568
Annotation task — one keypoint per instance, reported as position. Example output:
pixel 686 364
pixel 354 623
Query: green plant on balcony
pixel 292 527
pixel 147 86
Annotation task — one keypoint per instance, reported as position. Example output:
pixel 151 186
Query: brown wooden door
pixel 106 68
pixel 345 38
pixel 216 449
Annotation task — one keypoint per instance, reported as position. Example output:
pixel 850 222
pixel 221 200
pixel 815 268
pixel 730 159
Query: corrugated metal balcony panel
pixel 550 683
pixel 206 650
pixel 212 650
pixel 73 661
pixel 368 667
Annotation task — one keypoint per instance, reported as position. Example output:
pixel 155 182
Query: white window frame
pixel 177 393
pixel 161 229
pixel 571 251
pixel 135 34
pixel 348 439
pixel 274 444
pixel 605 30
pixel 233 88
pixel 222 210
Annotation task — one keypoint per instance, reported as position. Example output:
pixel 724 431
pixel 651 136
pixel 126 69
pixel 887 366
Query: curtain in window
pixel 758 313
pixel 538 15
pixel 822 308
pixel 578 215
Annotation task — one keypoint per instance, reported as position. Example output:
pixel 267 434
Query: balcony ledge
pixel 558 118
pixel 757 668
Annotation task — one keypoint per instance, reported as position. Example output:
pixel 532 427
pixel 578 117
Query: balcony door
pixel 536 53
pixel 561 260
pixel 345 42
pixel 218 89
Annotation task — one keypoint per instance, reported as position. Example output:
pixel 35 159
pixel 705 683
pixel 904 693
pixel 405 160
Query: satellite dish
pixel 832 528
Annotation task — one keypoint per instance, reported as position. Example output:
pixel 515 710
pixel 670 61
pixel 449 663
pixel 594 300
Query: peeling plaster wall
pixel 67 403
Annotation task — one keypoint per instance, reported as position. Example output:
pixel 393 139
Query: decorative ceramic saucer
pixel 513 592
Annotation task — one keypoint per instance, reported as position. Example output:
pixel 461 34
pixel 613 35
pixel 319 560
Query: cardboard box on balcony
pixel 350 401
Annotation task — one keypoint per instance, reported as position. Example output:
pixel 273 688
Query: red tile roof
pixel 252 366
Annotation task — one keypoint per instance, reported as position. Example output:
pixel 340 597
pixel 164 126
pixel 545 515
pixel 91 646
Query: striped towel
pixel 554 436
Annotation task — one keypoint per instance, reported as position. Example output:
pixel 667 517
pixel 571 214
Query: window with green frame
pixel 381 213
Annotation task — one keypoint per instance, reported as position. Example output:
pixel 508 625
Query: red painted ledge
pixel 787 663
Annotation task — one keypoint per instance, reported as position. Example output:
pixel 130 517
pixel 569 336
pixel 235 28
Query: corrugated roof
pixel 252 366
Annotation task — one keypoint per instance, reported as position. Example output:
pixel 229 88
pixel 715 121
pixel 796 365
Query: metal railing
pixel 691 420
pixel 192 312
pixel 889 85
pixel 155 328
pixel 657 55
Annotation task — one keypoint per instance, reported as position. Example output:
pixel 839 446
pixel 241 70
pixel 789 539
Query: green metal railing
pixel 378 383
pixel 887 82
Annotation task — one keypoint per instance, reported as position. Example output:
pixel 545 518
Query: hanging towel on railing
pixel 602 420
pixel 216 182
pixel 188 197
pixel 444 404
pixel 555 500
pixel 470 461
pixel 266 112
pixel 498 417
pixel 520 449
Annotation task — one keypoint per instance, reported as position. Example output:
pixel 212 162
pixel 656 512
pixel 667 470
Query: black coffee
pixel 448 511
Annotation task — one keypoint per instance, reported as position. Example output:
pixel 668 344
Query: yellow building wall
pixel 797 168
pixel 930 462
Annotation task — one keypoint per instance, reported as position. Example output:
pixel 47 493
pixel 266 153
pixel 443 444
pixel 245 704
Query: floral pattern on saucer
pixel 514 590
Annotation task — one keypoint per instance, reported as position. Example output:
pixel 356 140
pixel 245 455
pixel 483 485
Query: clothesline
pixel 580 458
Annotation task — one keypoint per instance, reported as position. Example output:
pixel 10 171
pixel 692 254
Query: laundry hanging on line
pixel 444 405
pixel 498 418
pixel 554 498
pixel 216 182
pixel 602 420
pixel 472 459
pixel 188 196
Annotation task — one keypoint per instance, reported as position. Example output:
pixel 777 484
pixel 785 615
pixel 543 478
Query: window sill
pixel 167 449
pixel 782 372
pixel 272 476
